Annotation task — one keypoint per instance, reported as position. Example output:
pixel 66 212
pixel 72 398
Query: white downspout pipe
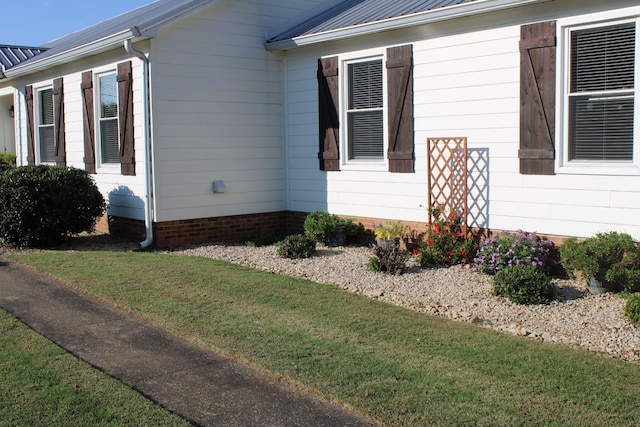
pixel 148 148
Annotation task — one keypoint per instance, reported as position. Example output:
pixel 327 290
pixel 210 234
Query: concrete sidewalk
pixel 194 382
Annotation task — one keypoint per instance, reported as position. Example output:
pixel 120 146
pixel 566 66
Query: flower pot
pixel 596 287
pixel 388 243
pixel 338 237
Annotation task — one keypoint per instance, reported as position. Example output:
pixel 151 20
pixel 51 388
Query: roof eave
pixel 71 54
pixel 399 22
pixel 150 28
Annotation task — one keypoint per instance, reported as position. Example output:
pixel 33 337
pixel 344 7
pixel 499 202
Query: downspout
pixel 148 149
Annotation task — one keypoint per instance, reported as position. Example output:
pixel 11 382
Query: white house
pixel 209 120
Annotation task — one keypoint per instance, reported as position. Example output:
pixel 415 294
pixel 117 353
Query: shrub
pixel 389 259
pixel 523 284
pixel 632 308
pixel 513 249
pixel 296 246
pixel 43 205
pixel 446 243
pixel 8 159
pixel 320 225
pixel 611 258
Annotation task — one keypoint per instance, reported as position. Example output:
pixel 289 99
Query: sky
pixel 32 23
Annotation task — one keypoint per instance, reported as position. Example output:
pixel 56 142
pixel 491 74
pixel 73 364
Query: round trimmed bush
pixel 523 284
pixel 296 246
pixel 42 205
pixel 632 308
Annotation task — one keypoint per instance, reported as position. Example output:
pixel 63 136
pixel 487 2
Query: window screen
pixel 364 110
pixel 109 135
pixel 45 126
pixel 602 92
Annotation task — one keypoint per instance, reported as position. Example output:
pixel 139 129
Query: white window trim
pixel 109 168
pixel 362 165
pixel 37 119
pixel 564 27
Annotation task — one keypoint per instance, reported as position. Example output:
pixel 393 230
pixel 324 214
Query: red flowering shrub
pixel 445 243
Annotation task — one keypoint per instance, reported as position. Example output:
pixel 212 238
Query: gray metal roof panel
pixel 355 12
pixel 137 18
pixel 10 56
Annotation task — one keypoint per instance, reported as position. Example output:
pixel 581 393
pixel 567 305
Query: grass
pixel 42 385
pixel 395 365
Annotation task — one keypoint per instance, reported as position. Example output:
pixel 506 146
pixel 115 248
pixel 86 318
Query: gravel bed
pixel 577 318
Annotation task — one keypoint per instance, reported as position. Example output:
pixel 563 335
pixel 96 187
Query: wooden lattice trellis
pixel 447 176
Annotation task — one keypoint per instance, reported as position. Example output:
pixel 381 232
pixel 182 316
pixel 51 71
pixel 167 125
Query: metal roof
pixel 10 56
pixel 140 22
pixel 356 12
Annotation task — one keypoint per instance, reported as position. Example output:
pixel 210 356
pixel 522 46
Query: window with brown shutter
pixel 31 149
pixel 537 98
pixel 88 122
pixel 60 156
pixel 125 117
pixel 400 101
pixel 329 126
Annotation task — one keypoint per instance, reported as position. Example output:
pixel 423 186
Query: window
pixel 45 120
pixel 108 129
pixel 364 111
pixel 601 93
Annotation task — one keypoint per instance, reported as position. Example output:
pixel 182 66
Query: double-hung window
pixel 108 129
pixel 45 126
pixel 600 96
pixel 364 112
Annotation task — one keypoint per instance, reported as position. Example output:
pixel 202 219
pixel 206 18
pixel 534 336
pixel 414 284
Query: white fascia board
pixel 70 55
pixel 427 17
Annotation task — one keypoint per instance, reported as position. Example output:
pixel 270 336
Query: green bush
pixel 296 246
pixel 523 284
pixel 632 308
pixel 611 258
pixel 320 225
pixel 389 259
pixel 41 206
pixel 8 159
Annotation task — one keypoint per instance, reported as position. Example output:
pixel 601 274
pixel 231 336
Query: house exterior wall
pixel 217 105
pixel 466 84
pixel 124 194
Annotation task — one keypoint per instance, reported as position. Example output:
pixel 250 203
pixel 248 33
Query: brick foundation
pixel 173 234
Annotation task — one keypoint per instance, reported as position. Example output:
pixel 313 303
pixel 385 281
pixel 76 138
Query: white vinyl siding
pixel 45 126
pixel 602 93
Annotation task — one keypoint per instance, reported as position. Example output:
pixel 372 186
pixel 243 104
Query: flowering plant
pixel 390 232
pixel 446 243
pixel 516 248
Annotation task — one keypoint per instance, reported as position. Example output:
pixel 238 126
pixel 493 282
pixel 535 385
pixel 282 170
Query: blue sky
pixel 35 22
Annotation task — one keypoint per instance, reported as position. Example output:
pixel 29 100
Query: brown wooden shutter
pixel 400 100
pixel 537 98
pixel 88 121
pixel 329 154
pixel 31 149
pixel 125 115
pixel 58 127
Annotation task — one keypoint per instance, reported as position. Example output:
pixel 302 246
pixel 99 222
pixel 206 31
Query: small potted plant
pixel 390 235
pixel 608 261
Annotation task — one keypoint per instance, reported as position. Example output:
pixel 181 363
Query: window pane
pixel 46 107
pixel 109 141
pixel 603 58
pixel 601 128
pixel 108 96
pixel 47 146
pixel 365 85
pixel 366 135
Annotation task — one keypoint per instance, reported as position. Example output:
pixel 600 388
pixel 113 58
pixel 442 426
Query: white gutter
pixel 148 146
pixel 426 17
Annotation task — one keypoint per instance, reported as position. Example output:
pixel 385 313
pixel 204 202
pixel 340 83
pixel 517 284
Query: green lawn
pixel 392 364
pixel 42 385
